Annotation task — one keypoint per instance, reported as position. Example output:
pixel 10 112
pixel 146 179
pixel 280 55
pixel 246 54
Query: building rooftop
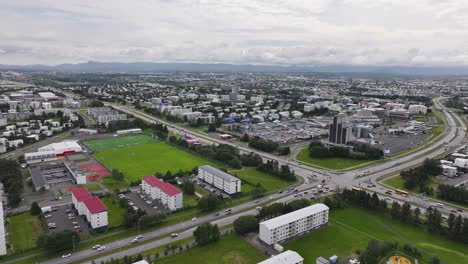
pixel 295 215
pixel 167 188
pixel 219 173
pixel 94 205
pixel 81 194
pixel 288 256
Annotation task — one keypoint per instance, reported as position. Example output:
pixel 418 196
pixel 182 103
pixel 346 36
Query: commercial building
pixel 220 179
pixel 62 148
pixel 129 131
pixel 417 109
pixel 166 193
pixel 40 156
pixel 282 228
pixel 105 119
pixel 340 132
pixel 287 257
pixel 91 207
pixel 3 250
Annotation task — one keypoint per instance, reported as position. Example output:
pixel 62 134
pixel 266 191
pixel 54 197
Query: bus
pixel 356 189
pixel 405 193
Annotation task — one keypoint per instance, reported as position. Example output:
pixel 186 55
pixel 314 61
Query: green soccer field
pixel 142 160
pixel 117 142
pixel 351 228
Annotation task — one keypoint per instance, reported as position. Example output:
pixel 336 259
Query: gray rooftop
pixel 219 173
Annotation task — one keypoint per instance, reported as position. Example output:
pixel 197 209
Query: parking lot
pixel 139 200
pixel 65 218
pixel 208 187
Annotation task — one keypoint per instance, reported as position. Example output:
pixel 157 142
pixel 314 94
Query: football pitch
pixel 117 142
pixel 146 159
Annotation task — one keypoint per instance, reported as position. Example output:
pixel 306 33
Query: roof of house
pixel 81 194
pixel 94 205
pixel 219 173
pixel 167 188
pixel 294 216
pixel 288 256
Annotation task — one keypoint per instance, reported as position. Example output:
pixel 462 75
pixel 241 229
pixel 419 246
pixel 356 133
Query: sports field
pixel 23 230
pixel 230 249
pixel 253 176
pixel 142 160
pixel 351 228
pixel 117 142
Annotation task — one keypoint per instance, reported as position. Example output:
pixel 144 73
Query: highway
pixel 454 136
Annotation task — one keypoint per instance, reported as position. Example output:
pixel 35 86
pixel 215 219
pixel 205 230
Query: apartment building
pixel 166 193
pixel 219 179
pixel 282 228
pixel 91 207
pixel 3 250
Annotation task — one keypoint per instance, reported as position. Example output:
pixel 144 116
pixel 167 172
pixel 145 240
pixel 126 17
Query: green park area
pixel 397 182
pixel 117 142
pixel 23 231
pixel 230 249
pixel 329 163
pixel 350 229
pixel 146 159
pixel 116 213
pixel 253 177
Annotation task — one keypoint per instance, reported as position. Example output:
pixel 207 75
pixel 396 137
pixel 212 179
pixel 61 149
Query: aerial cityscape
pixel 225 132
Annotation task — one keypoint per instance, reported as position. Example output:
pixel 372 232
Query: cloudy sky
pixel 310 32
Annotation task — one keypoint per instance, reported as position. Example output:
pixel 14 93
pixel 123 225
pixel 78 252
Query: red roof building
pixel 166 193
pixel 95 205
pixel 167 188
pixel 81 194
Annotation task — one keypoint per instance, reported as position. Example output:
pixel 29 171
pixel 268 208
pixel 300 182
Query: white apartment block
pixel 91 207
pixel 282 228
pixel 104 119
pixel 287 257
pixel 219 179
pixel 166 193
pixel 417 109
pixel 3 121
pixel 3 250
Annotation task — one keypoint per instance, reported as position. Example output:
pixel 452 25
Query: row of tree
pixel 277 209
pixel 272 167
pixel 263 144
pixel 452 193
pixel 12 180
pixel 361 151
pixel 206 233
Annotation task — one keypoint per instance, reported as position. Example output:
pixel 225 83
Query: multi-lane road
pixel 453 136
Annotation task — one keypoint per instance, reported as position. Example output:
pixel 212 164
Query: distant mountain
pixel 149 67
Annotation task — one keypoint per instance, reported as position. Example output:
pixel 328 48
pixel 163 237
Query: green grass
pixel 329 163
pixel 230 249
pixel 117 142
pixel 398 183
pixel 93 187
pixel 253 176
pixel 142 160
pixel 190 200
pixel 111 183
pixel 115 212
pixel 23 230
pixel 350 229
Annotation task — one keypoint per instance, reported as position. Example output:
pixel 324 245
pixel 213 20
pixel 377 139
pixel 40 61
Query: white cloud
pixel 416 32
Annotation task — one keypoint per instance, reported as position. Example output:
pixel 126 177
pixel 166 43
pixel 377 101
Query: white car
pixel 101 248
pixel 96 246
pixel 134 240
pixel 139 237
pixel 66 255
pixel 193 219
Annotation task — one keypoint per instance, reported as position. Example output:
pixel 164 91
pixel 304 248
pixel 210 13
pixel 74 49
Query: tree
pixel 434 260
pixel 258 192
pixel 35 209
pixel 246 224
pixel 283 151
pixel 211 128
pixel 209 203
pixel 405 215
pixel 395 211
pixel 415 215
pixel 188 187
pixel 58 241
pixel 206 233
pixel 116 174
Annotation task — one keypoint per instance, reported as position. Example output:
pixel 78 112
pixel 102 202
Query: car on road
pixel 66 255
pixel 134 240
pixel 96 246
pixel 47 216
pixel 193 219
pixel 460 210
pixel 173 235
pixel 139 237
pixel 75 223
pixel 217 214
pixel 257 201
pixel 101 248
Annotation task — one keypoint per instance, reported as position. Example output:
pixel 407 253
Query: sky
pixel 271 32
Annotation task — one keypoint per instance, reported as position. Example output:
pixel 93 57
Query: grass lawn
pixel 142 160
pixel 398 183
pixel 253 176
pixel 190 200
pixel 351 228
pixel 230 249
pixel 117 142
pixel 23 230
pixel 115 212
pixel 111 183
pixel 329 163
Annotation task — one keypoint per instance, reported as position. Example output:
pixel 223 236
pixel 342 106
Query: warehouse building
pixel 282 228
pixel 62 148
pixel 220 179
pixel 287 257
pixel 166 193
pixel 91 207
